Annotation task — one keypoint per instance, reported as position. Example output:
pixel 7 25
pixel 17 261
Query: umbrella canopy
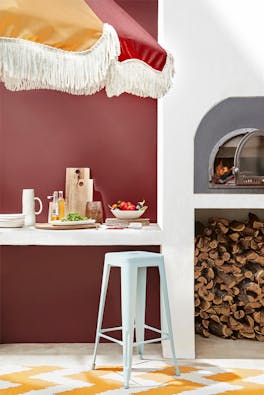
pixel 80 47
pixel 54 44
pixel 143 68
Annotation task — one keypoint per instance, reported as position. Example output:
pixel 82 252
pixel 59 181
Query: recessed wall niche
pixel 229 283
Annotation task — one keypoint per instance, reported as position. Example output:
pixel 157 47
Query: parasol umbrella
pixel 79 47
pixel 143 68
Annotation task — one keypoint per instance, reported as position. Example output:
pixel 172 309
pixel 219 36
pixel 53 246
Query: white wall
pixel 219 52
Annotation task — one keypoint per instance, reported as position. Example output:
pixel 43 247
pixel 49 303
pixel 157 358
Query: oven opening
pixel 237 160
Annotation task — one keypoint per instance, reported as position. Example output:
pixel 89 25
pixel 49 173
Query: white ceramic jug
pixel 28 206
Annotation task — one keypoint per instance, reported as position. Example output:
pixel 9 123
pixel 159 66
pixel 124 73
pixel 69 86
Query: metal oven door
pixel 249 160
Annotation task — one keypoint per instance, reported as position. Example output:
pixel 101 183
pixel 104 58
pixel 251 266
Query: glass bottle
pixel 61 203
pixel 55 207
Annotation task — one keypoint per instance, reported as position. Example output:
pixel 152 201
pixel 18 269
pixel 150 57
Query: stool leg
pixel 128 296
pixel 141 307
pixel 105 279
pixel 164 290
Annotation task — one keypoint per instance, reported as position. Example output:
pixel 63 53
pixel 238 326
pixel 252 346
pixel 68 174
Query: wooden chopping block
pixel 78 190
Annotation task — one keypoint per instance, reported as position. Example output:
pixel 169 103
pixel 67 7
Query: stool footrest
pixel 158 339
pixel 117 328
pixel 151 328
pixel 164 336
pixel 112 339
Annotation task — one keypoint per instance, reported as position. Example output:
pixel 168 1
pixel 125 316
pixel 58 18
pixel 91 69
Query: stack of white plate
pixel 12 220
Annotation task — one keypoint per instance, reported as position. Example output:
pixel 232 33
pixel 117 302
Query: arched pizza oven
pixel 237 160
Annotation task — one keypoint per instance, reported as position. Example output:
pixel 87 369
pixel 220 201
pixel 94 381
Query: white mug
pixel 28 206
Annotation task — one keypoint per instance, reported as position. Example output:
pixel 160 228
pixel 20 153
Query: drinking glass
pixel 94 210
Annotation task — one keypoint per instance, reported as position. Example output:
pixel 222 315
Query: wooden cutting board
pixel 46 226
pixel 79 189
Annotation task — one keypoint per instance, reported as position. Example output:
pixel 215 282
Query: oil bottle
pixel 61 204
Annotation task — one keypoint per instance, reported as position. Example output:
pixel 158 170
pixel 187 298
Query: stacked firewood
pixel 229 278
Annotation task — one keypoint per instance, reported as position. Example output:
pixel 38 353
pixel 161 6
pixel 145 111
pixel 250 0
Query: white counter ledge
pixel 149 235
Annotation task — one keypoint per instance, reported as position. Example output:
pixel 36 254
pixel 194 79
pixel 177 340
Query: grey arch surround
pixel 230 114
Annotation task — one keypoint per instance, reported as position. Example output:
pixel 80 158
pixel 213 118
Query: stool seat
pixel 133 266
pixel 138 258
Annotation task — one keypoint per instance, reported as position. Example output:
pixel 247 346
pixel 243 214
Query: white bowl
pixel 12 220
pixel 128 214
pixel 11 217
pixel 12 224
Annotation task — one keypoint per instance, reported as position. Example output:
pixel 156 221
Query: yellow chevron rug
pixel 194 380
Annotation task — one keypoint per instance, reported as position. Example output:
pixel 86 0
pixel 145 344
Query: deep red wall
pixel 50 294
pixel 42 133
pixel 45 132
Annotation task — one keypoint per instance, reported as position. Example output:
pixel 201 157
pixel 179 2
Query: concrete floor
pixel 111 354
pixel 217 348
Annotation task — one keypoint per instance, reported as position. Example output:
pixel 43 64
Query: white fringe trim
pixel 28 65
pixel 136 77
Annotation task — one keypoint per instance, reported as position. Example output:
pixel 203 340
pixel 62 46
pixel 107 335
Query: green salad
pixel 74 217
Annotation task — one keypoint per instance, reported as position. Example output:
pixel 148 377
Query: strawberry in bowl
pixel 128 210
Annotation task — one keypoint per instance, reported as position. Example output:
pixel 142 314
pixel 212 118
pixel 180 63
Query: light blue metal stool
pixel 133 265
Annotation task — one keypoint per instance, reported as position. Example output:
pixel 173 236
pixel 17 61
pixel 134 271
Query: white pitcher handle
pixel 40 206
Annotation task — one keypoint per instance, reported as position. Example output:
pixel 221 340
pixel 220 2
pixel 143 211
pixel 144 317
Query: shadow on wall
pixel 234 16
pixel 228 65
pixel 211 62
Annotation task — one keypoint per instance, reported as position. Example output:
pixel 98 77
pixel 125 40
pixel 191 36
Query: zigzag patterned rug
pixel 146 380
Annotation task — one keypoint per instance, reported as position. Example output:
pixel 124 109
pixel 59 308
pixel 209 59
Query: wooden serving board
pixel 46 226
pixel 79 189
